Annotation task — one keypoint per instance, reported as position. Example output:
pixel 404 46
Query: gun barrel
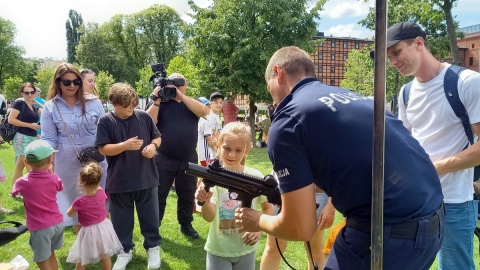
pixel 229 180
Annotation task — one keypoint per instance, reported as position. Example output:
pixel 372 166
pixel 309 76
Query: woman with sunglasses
pixel 69 123
pixel 25 116
pixel 88 78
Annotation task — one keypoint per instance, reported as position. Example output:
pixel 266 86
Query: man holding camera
pixel 177 120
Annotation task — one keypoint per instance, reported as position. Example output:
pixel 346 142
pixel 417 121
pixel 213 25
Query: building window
pixel 344 58
pixel 357 45
pixel 332 69
pixel 320 56
pixel 473 45
pixel 320 69
pixel 332 82
pixel 470 61
pixel 333 56
pixel 333 44
pixel 345 45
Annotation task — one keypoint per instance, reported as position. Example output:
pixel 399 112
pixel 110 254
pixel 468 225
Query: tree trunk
pixel 452 38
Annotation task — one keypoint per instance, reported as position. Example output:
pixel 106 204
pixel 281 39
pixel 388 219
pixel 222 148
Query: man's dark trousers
pixel 351 249
pixel 185 186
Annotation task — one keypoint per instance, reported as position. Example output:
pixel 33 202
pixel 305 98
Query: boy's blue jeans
pixel 456 251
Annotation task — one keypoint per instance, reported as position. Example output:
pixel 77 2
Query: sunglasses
pixel 75 82
pixel 29 93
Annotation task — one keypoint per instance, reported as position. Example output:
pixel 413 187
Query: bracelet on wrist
pixel 155 144
pixel 155 104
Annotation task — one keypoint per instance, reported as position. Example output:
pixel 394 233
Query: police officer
pixel 323 135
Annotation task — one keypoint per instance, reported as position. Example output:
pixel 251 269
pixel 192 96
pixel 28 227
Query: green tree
pixel 103 82
pixel 359 74
pixel 144 86
pixel 43 80
pixel 32 67
pixel 161 28
pixel 232 41
pixel 179 64
pixel 127 43
pixel 96 52
pixel 10 87
pixel 434 15
pixel 73 35
pixel 11 61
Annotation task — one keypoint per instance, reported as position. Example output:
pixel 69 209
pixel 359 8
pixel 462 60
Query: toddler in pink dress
pixel 96 241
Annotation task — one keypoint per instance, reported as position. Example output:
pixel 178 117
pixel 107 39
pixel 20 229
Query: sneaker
pixel 122 260
pixel 188 230
pixel 154 260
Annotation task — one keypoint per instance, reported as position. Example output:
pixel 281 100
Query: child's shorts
pixel 45 240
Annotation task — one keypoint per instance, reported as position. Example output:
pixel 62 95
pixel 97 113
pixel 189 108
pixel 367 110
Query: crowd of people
pixel 320 147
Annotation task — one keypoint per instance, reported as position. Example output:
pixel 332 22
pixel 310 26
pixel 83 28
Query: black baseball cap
pixel 402 31
pixel 216 95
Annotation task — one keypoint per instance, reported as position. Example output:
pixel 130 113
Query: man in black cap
pixel 424 110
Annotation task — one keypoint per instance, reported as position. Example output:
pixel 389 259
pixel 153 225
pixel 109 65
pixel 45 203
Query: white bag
pixel 20 263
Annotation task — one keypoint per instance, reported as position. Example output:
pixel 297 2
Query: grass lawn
pixel 177 251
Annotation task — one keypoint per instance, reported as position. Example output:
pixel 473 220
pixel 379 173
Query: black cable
pixel 279 251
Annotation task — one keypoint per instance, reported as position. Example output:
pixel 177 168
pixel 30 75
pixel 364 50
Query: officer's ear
pixel 280 73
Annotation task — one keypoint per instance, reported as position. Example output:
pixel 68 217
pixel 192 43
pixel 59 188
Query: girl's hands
pixel 251 238
pixel 202 195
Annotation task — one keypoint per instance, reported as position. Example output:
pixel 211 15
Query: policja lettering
pixel 282 172
pixel 343 98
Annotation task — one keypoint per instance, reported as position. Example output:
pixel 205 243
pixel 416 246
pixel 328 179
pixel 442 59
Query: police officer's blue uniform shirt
pixel 324 135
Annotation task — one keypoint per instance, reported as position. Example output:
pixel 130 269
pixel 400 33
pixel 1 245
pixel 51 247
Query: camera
pixel 167 91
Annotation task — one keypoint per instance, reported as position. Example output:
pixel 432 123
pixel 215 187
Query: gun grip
pixel 207 189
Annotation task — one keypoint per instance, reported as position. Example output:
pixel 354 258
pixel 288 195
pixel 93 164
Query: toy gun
pixel 242 187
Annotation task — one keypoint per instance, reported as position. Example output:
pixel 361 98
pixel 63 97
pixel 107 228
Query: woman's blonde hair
pixel 236 130
pixel 86 71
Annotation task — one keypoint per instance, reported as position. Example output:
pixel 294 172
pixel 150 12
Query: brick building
pixel 331 54
pixel 470 46
pixel 329 58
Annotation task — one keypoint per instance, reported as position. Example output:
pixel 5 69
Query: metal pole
pixel 378 135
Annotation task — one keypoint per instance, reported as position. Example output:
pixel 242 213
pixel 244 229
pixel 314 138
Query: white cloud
pixel 349 30
pixel 346 8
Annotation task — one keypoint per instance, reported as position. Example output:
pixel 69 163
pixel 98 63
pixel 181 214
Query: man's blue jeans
pixel 457 248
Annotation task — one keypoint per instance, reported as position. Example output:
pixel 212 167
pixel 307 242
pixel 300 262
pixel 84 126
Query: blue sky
pixel 41 24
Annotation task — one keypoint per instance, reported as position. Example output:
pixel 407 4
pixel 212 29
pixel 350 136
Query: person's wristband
pixel 155 104
pixel 156 145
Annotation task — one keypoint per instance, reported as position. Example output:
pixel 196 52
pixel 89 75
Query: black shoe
pixel 188 230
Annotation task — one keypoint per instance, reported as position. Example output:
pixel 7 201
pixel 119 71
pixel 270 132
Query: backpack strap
pixel 406 93
pixel 450 86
